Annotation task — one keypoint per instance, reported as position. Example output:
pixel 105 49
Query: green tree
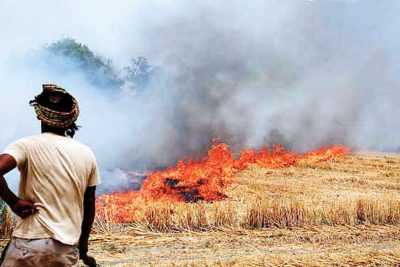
pixel 76 56
pixel 139 72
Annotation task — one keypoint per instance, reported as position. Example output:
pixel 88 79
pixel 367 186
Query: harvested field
pixel 342 212
pixel 310 246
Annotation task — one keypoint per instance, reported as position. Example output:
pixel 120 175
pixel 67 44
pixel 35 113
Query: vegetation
pixel 139 72
pixel 341 212
pixel 68 55
pixel 266 198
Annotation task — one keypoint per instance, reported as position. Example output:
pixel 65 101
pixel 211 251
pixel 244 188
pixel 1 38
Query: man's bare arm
pixel 89 205
pixel 20 207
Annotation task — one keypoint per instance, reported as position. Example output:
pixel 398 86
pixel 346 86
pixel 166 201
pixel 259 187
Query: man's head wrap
pixel 55 107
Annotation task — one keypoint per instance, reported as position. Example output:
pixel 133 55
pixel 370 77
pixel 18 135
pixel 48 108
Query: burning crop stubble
pixel 207 180
pixel 316 191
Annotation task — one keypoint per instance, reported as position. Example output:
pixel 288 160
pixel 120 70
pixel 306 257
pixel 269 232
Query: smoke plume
pixel 301 73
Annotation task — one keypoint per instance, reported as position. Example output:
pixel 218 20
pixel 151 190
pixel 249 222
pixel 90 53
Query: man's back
pixel 56 202
pixel 55 172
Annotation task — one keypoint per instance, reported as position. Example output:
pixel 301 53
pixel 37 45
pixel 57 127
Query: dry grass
pixel 262 213
pixel 337 213
pixel 7 223
pixel 351 191
pixel 306 246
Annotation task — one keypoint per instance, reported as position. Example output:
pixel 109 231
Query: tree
pixel 76 56
pixel 139 72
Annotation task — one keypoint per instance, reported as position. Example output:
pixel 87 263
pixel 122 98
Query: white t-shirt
pixel 55 172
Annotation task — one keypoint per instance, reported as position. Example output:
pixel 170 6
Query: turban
pixel 55 107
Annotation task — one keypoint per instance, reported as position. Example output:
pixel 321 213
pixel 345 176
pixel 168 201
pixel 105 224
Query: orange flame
pixel 207 179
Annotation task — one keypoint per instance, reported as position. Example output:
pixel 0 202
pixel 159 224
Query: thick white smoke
pixel 302 73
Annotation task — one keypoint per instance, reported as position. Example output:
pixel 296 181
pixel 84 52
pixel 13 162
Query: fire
pixel 207 179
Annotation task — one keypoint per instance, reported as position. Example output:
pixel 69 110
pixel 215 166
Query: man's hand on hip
pixel 24 208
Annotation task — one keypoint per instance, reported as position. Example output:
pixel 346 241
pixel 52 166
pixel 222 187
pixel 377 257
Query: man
pixel 56 203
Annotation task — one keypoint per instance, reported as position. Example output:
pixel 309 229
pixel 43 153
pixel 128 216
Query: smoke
pixel 301 73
